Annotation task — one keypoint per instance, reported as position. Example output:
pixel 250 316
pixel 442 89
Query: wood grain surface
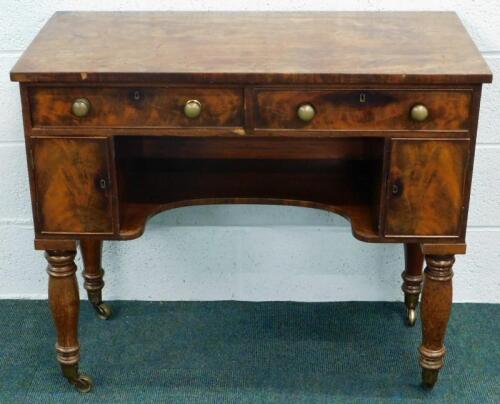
pixel 436 309
pixel 362 109
pixel 67 175
pixel 430 180
pixel 258 47
pixel 64 303
pixel 136 106
pixel 92 269
pixel 102 176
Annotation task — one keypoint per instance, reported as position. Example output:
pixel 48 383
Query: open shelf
pixel 339 175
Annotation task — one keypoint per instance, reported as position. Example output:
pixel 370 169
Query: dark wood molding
pixel 443 249
pixel 52 244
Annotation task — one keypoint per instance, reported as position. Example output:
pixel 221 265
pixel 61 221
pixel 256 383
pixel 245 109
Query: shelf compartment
pixel 340 175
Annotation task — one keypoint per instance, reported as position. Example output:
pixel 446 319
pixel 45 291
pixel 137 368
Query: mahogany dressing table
pixel 372 116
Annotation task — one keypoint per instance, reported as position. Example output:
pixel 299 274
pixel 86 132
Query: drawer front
pixel 426 187
pixel 72 185
pixel 136 107
pixel 363 109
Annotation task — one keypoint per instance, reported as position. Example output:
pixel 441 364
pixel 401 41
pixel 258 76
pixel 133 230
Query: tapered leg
pixel 65 306
pixel 435 312
pixel 412 280
pixel 92 274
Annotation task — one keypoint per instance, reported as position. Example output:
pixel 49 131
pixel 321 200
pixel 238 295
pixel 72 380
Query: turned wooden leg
pixel 65 306
pixel 435 311
pixel 412 280
pixel 92 274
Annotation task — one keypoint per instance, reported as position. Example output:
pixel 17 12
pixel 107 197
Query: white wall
pixel 247 252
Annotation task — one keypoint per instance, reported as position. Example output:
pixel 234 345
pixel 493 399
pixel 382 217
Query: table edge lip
pixel 249 78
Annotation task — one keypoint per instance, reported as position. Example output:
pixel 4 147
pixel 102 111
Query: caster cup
pixel 429 378
pixel 103 311
pixel 83 383
pixel 411 317
pixel 80 381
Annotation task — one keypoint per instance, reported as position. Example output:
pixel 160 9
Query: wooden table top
pixel 254 47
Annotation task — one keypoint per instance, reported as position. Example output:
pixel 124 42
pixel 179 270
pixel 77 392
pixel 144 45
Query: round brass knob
pixel 419 112
pixel 192 109
pixel 306 112
pixel 80 107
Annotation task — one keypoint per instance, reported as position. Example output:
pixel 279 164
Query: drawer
pixel 136 107
pixel 363 109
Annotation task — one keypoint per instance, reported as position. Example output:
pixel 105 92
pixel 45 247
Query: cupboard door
pixel 426 187
pixel 72 185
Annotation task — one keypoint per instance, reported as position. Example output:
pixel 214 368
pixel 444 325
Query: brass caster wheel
pixel 83 383
pixel 411 317
pixel 429 377
pixel 103 311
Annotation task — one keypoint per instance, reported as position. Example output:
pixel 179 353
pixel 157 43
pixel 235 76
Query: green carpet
pixel 235 352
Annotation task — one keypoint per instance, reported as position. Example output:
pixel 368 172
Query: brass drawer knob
pixel 306 112
pixel 192 109
pixel 419 113
pixel 80 107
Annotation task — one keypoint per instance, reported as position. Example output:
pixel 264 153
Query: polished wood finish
pixel 352 148
pixel 110 141
pixel 259 47
pixel 435 312
pixel 362 109
pixel 64 303
pixel 72 182
pixel 412 279
pixel 92 272
pixel 436 249
pixel 414 261
pixel 136 106
pixel 53 244
pixel 426 187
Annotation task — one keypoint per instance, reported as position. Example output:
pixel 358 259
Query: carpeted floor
pixel 235 352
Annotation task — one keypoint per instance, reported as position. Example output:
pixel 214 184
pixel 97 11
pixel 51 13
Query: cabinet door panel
pixel 72 185
pixel 426 187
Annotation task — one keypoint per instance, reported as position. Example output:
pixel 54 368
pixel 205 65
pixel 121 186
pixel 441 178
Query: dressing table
pixel 372 116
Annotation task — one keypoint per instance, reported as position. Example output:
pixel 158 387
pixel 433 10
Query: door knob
pixel 306 112
pixel 80 107
pixel 192 109
pixel 419 112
